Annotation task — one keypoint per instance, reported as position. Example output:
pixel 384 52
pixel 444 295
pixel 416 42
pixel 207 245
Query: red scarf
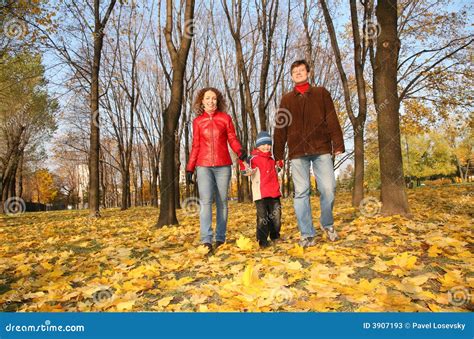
pixel 302 88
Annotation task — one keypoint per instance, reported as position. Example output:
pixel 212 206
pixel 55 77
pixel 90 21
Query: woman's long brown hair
pixel 197 105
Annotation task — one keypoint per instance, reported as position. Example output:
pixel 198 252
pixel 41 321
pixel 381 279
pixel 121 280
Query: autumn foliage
pixel 64 261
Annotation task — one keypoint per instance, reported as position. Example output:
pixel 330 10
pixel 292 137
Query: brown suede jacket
pixel 308 123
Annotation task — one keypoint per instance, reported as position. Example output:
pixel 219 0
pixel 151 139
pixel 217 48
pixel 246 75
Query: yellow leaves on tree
pixel 43 189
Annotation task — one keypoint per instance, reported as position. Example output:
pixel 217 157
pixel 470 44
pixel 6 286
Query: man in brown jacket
pixel 307 122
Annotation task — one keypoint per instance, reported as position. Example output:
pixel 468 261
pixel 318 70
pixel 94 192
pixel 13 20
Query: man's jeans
pixel 213 182
pixel 324 171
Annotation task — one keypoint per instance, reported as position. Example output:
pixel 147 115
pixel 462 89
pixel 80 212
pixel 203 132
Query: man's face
pixel 299 74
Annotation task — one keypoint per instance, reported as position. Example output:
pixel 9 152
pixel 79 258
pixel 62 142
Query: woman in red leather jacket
pixel 213 131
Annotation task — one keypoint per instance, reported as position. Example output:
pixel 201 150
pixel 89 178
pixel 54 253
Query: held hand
pixel 243 155
pixel 248 172
pixel 189 178
pixel 279 165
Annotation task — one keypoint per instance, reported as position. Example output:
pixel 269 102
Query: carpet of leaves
pixel 64 261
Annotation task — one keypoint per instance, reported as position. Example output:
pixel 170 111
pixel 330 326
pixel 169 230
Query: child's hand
pixel 248 171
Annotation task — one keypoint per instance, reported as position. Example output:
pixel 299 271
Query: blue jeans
pixel 324 171
pixel 213 182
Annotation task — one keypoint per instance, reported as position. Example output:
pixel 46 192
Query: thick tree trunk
pixel 125 189
pixel 167 187
pixel 393 196
pixel 172 112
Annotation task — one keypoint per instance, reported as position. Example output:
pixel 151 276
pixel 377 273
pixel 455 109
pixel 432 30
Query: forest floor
pixel 64 261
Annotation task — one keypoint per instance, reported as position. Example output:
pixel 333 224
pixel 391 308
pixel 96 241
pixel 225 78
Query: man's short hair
pixel 299 63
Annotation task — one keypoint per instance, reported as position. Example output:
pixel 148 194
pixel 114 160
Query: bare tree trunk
pixel 20 175
pixel 246 194
pixel 359 61
pixel 99 27
pixel 172 112
pixel 393 194
pixel 177 164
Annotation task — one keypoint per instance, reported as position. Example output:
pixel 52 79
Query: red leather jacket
pixel 211 134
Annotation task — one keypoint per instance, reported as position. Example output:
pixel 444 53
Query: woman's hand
pixel 243 155
pixel 189 178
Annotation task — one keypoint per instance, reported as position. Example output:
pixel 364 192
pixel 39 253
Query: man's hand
pixel 279 165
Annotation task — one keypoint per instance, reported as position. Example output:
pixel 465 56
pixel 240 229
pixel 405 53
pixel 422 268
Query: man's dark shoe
pixel 218 244
pixel 209 247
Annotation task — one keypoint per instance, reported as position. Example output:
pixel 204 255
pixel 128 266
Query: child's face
pixel 264 148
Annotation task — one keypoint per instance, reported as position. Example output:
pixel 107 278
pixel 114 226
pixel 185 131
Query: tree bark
pixel 99 27
pixel 393 196
pixel 359 121
pixel 172 112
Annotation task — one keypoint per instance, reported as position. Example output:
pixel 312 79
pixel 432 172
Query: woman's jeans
pixel 324 171
pixel 213 182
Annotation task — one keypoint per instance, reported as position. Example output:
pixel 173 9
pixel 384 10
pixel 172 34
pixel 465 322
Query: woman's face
pixel 209 101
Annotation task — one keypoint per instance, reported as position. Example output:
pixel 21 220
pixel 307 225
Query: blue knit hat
pixel 263 138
